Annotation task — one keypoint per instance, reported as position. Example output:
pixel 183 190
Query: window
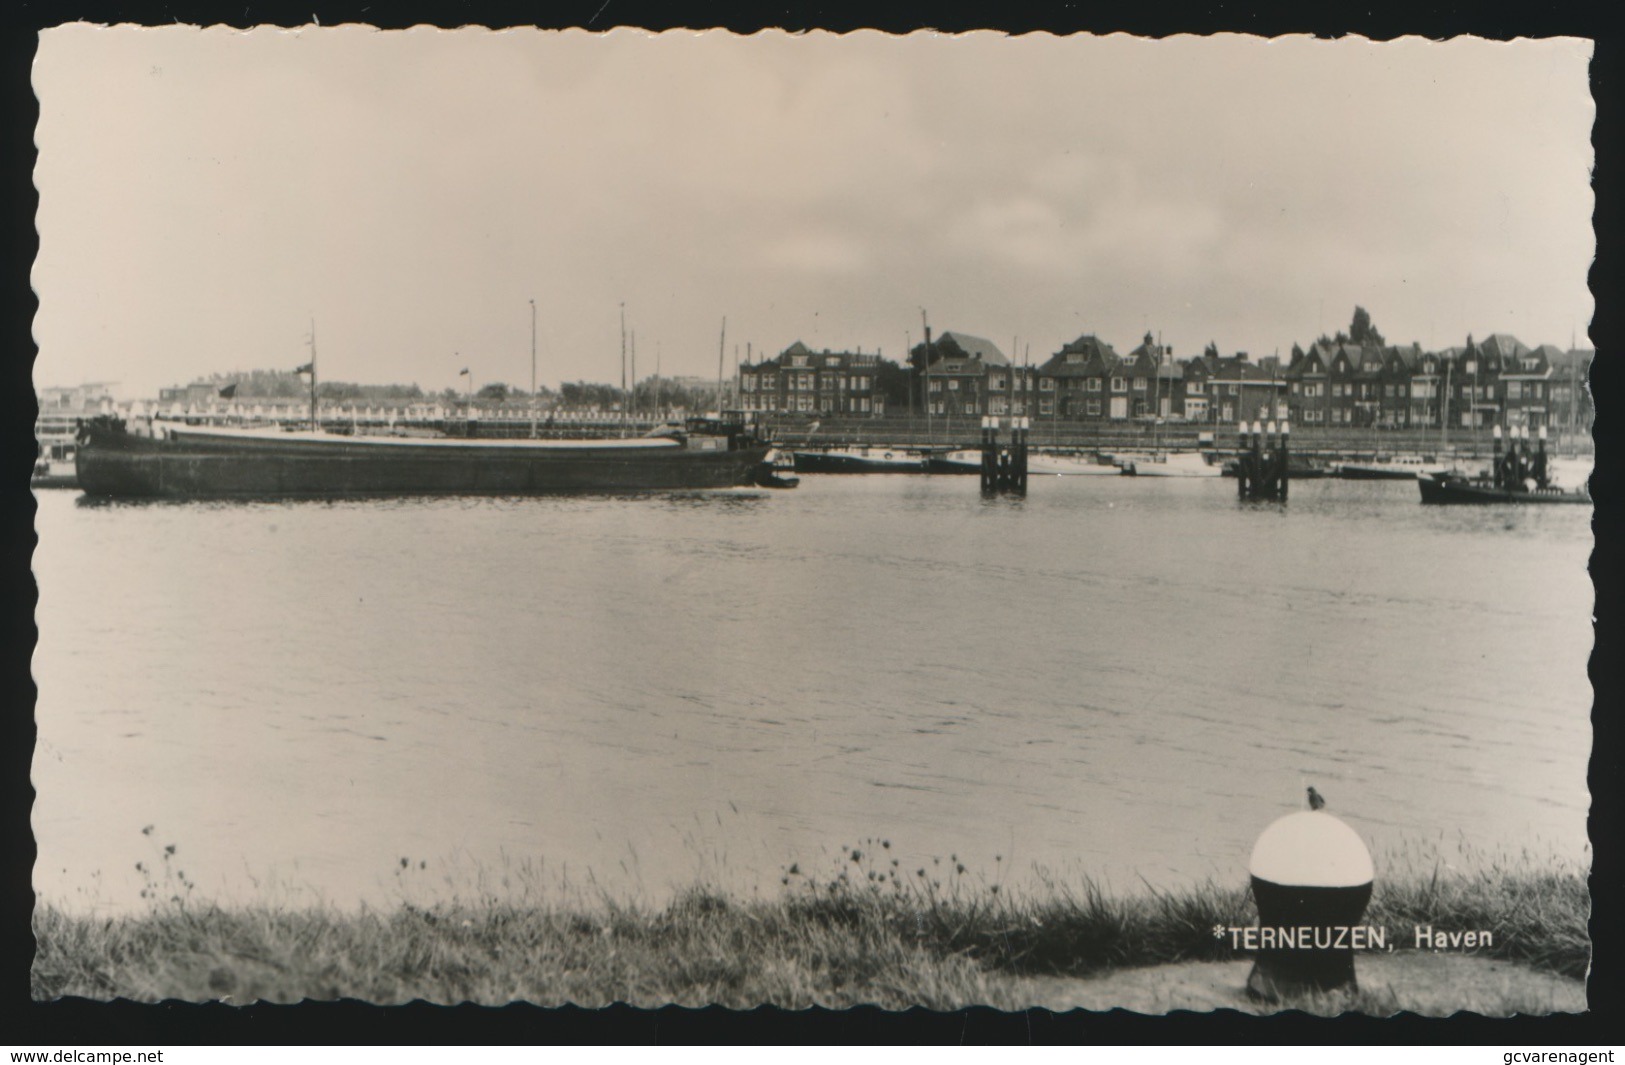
pixel 1193 388
pixel 1046 384
pixel 1296 388
pixel 953 384
pixel 1470 366
pixel 1311 390
pixel 1092 408
pixel 1074 357
pixel 1139 384
pixel 1229 390
pixel 1119 384
pixel 832 361
pixel 798 361
pixel 1094 384
pixel 1534 389
pixel 1046 406
pixel 936 386
pixel 748 382
pixel 995 384
pixel 1514 389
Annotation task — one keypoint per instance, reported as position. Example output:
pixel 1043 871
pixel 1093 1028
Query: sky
pixel 208 194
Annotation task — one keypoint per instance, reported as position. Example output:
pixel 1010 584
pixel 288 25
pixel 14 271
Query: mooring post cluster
pixel 1261 461
pixel 1514 467
pixel 1004 469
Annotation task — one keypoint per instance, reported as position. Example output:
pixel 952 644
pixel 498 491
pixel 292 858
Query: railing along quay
pixel 1307 442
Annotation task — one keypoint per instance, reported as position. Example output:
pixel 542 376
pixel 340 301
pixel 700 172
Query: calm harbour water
pixel 1117 676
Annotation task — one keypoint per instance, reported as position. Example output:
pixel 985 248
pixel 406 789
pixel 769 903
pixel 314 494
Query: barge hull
pixel 204 467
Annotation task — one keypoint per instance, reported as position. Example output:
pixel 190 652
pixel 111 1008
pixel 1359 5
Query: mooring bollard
pixel 1312 878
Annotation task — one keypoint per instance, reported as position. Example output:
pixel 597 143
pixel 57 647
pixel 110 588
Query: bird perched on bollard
pixel 1316 800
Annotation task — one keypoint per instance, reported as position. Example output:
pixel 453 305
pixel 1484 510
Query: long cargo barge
pixel 181 462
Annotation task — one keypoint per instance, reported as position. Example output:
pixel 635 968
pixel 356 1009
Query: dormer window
pixel 1074 357
pixel 832 361
pixel 798 360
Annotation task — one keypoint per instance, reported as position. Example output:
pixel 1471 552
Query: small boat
pixel 54 473
pixel 183 462
pixel 965 460
pixel 1170 464
pixel 778 470
pixel 1389 468
pixel 858 460
pixel 1460 488
pixel 1070 464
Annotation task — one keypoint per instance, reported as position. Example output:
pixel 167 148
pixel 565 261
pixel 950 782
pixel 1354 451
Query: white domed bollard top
pixel 1311 848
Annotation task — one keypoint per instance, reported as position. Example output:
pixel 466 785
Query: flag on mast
pixel 308 367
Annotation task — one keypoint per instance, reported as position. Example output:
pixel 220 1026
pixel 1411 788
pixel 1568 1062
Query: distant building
pixel 956 378
pixel 1072 382
pixel 802 381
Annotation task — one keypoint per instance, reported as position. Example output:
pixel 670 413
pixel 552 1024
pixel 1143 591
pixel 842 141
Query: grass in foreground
pixel 873 933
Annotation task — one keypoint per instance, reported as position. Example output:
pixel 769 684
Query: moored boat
pixel 965 460
pixel 1170 464
pixel 1389 468
pixel 182 462
pixel 53 473
pixel 1070 464
pixel 858 460
pixel 1459 488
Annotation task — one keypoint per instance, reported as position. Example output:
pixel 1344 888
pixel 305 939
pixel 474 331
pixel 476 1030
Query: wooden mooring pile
pixel 1004 469
pixel 1261 461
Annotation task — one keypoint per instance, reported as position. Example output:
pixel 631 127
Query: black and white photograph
pixel 813 520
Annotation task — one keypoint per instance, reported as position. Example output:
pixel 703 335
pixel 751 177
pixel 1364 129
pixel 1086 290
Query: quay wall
pixel 1306 440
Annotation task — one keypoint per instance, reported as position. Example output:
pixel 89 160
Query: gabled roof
pixel 1501 346
pixel 1098 358
pixel 1574 361
pixel 798 348
pixel 975 347
pixel 1235 368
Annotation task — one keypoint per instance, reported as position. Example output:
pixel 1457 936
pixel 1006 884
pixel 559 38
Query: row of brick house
pixel 1499 380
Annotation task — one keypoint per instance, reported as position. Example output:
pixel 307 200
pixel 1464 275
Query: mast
pixel 722 350
pixel 533 369
pixel 633 402
pixel 908 344
pixel 658 412
pixel 315 426
pixel 623 367
pixel 927 359
pixel 1156 397
pixel 1444 408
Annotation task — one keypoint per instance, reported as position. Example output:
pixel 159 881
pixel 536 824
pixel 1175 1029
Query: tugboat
pixel 1515 476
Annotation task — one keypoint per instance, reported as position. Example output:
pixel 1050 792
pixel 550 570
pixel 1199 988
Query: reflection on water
pixel 1123 676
